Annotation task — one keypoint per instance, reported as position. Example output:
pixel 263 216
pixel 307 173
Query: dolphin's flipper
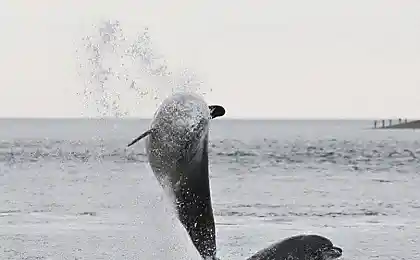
pixel 140 137
pixel 216 111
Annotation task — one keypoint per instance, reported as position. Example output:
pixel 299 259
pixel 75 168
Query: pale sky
pixel 262 59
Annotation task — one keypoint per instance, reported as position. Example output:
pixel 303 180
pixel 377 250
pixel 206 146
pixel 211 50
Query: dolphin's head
pixel 319 248
pixel 178 133
pixel 308 247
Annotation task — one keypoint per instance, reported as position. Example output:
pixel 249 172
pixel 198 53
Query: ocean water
pixel 72 190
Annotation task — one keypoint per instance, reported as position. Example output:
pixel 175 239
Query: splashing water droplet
pixel 115 70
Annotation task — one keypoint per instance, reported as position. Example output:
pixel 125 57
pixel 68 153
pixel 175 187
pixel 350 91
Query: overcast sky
pixel 259 59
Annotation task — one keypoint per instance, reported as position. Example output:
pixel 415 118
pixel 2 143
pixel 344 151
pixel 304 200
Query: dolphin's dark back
pixel 194 206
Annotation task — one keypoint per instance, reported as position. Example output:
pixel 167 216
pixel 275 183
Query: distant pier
pixel 396 124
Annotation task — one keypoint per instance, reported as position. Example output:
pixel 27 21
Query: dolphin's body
pixel 177 149
pixel 301 247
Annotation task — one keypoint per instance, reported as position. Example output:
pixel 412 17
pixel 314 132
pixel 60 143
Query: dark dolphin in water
pixel 301 247
pixel 177 149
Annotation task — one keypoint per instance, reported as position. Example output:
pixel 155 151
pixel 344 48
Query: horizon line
pixel 224 118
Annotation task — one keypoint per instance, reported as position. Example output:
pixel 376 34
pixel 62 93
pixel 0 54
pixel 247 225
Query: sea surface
pixel 72 190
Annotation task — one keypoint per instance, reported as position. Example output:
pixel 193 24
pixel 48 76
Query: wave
pixel 347 155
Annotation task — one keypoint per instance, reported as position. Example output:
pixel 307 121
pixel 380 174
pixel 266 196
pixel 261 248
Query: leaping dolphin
pixel 177 150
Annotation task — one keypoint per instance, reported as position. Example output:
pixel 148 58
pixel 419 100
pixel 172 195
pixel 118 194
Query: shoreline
pixel 415 124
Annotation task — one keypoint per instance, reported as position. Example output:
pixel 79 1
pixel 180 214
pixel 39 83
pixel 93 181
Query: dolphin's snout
pixel 333 253
pixel 337 251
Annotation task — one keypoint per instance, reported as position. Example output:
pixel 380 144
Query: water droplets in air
pixel 118 71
